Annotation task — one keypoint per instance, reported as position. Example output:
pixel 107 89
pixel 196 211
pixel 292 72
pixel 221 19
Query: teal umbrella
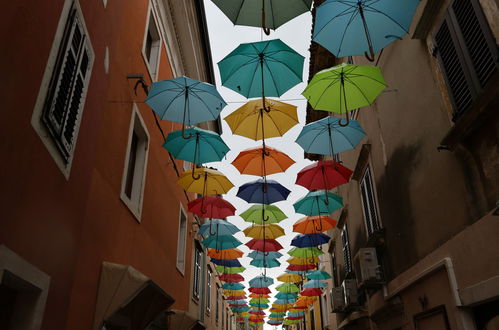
pixel 221 242
pixel 313 284
pixel 265 263
pixel 284 295
pixel 318 203
pixel 268 14
pixel 221 227
pixel 201 147
pixel 318 275
pixel 233 286
pixel 262 69
pixel 259 255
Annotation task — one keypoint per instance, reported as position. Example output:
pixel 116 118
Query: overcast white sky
pixel 225 37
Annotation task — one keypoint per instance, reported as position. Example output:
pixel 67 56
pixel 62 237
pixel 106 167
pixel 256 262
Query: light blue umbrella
pixel 232 286
pixel 185 100
pixel 327 137
pixel 259 255
pixel 355 27
pixel 266 263
pixel 284 301
pixel 221 242
pixel 318 203
pixel 296 314
pixel 314 284
pixel 201 147
pixel 284 295
pixel 261 282
pixel 237 302
pixel 217 227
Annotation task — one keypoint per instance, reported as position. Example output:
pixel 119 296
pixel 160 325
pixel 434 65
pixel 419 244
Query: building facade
pixel 416 244
pixel 95 232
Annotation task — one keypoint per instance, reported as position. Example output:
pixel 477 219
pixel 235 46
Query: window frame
pixel 63 163
pixel 198 270
pixel 181 241
pixel 217 306
pixel 345 245
pixel 368 172
pixel 209 277
pixel 152 14
pixel 135 202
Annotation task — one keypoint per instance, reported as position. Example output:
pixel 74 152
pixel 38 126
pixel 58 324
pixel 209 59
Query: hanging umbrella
pixel 327 137
pixel 261 282
pixel 211 207
pixel 287 288
pixel 240 309
pixel 225 254
pixel 261 69
pixel 205 181
pixel 297 272
pixel 344 87
pixel 257 295
pixel 296 314
pixel 236 297
pixel 277 314
pixel 259 290
pixel 221 242
pixel 318 202
pixel 311 225
pixel 262 161
pixel 304 301
pixel 264 231
pixel 278 302
pixel 265 263
pixel 318 275
pixel 263 192
pixel 302 268
pixel 257 312
pixel 309 240
pixel 259 301
pixel 315 284
pixel 325 174
pixel 264 245
pixel 263 214
pixel 232 286
pixel 185 100
pixel 234 292
pixel 240 302
pixel 314 292
pixel 303 261
pixel 305 252
pixel 230 270
pixel 267 14
pixel 226 263
pixel 290 278
pixel 217 227
pixel 258 255
pixel 355 27
pixel 284 295
pixel 262 306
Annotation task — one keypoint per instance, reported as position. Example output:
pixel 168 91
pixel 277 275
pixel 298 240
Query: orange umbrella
pixel 315 224
pixel 226 254
pixel 262 161
pixel 303 261
pixel 259 296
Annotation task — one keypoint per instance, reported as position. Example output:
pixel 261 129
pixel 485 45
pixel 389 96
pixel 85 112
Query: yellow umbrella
pixel 278 118
pixel 259 295
pixel 303 261
pixel 271 231
pixel 205 181
pixel 234 293
pixel 286 306
pixel 292 278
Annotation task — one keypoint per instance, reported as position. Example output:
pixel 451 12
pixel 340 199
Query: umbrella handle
pixel 265 29
pixel 212 233
pixel 320 224
pixel 371 56
pixel 183 134
pixel 348 120
pixel 194 176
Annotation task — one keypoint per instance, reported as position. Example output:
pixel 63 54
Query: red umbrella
pixel 323 175
pixel 264 245
pixel 237 305
pixel 235 297
pixel 295 317
pixel 301 267
pixel 257 313
pixel 211 207
pixel 311 292
pixel 232 278
pixel 259 290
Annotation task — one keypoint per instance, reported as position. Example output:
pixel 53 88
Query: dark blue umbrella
pixel 309 240
pixel 226 262
pixel 263 191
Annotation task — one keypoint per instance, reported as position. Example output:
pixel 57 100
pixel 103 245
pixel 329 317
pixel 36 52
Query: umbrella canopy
pixel 325 174
pixel 305 301
pixel 217 227
pixel 296 314
pixel 283 302
pixel 260 69
pixel 254 122
pixel 262 161
pixel 345 87
pixel 257 295
pixel 205 181
pixel 318 202
pixel 327 137
pixel 241 302
pixel 264 245
pixel 236 297
pixel 263 214
pixel 287 288
pixel 259 290
pixel 315 284
pixel 221 242
pixel 309 240
pixel 318 275
pixel 230 270
pixel 234 292
pixel 259 301
pixel 284 295
pixel 303 261
pixel 202 146
pixel 264 231
pixel 266 14
pixel 302 268
pixel 257 312
pixel 305 252
pixel 290 278
pixel 240 309
pixel 263 191
pixel 232 286
pixel 313 292
pixel 265 263
pixel 261 282
pixel 225 254
pixel 258 255
pixel 316 224
pixel 211 207
pixel 185 100
pixel 226 262
pixel 348 28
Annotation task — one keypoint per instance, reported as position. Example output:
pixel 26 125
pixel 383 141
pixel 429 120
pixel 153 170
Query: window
pixel 312 318
pixel 217 305
pixel 369 203
pixel 198 259
pixel 325 316
pixel 58 110
pixel 467 53
pixel 134 175
pixel 346 250
pixel 181 239
pixel 208 290
pixel 334 269
pixel 152 44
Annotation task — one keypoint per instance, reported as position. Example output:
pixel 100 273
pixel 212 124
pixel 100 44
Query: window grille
pixel 208 290
pixel 369 203
pixel 346 250
pixel 198 257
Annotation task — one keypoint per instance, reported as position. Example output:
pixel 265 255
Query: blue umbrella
pixel 226 262
pixel 241 309
pixel 237 302
pixel 261 282
pixel 218 227
pixel 233 286
pixel 353 27
pixel 327 137
pixel 258 255
pixel 284 295
pixel 296 314
pixel 266 263
pixel 318 203
pixel 185 100
pixel 263 191
pixel 284 301
pixel 261 306
pixel 315 284
pixel 309 240
pixel 221 242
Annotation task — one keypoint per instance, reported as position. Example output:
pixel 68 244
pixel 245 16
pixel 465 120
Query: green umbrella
pixel 259 301
pixel 306 252
pixel 261 69
pixel 230 270
pixel 344 87
pixel 268 14
pixel 263 214
pixel 288 288
pixel 318 202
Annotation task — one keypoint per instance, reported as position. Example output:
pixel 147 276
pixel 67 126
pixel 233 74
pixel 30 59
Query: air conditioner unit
pixel 367 268
pixel 337 299
pixel 350 292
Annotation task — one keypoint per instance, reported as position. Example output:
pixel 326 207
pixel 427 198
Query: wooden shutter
pixel 346 250
pixel 369 203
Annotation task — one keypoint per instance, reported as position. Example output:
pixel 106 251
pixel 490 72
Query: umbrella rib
pixel 359 89
pixel 333 81
pixel 206 105
pixel 342 13
pixel 239 11
pixel 270 59
pixel 352 18
pixel 273 79
pixel 389 17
